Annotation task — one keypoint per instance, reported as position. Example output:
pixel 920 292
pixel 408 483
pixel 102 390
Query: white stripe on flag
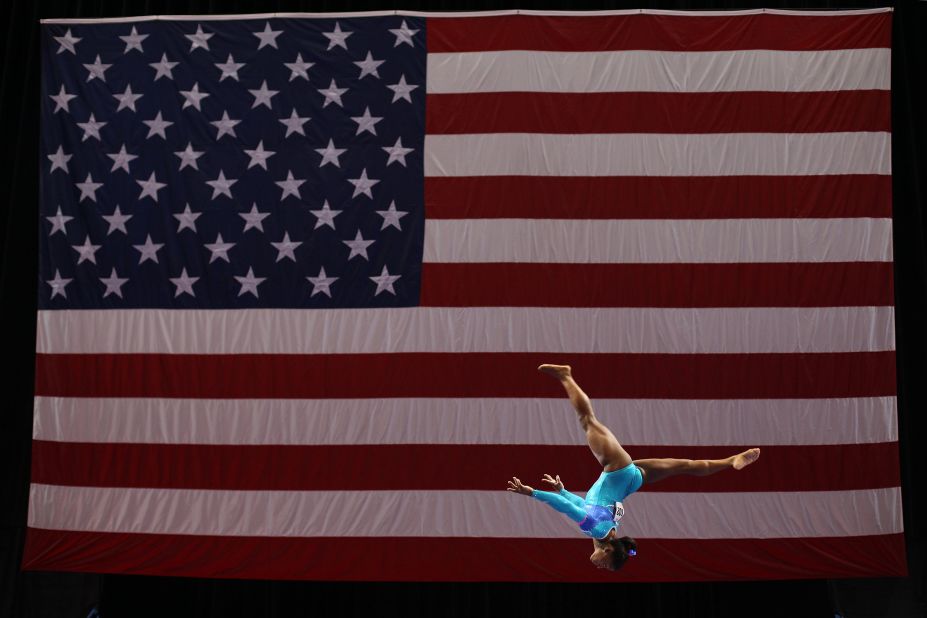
pixel 465 330
pixel 456 513
pixel 657 422
pixel 659 71
pixel 646 154
pixel 659 241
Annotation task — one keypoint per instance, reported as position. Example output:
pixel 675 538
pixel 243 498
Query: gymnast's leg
pixel 603 443
pixel 658 469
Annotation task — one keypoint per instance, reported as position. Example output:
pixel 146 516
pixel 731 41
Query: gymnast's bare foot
pixel 558 371
pixel 745 459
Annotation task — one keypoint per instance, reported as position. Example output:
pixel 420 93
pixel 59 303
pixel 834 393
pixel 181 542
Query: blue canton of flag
pixel 226 164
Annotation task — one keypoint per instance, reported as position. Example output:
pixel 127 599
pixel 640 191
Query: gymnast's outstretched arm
pixel 556 501
pixel 557 485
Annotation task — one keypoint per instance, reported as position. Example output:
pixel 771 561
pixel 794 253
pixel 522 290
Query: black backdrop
pixel 75 595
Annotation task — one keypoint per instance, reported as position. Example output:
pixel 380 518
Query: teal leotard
pixel 602 509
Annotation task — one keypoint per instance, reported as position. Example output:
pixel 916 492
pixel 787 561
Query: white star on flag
pixel 254 219
pixel 133 41
pixel 88 189
pixel 58 284
pixel 221 185
pixel 250 283
pixel 262 96
pixel 337 38
pixel 149 250
pixel 330 154
pixel 402 90
pixel 59 160
pixel 117 221
pixel 193 97
pixel 368 66
pixel 184 284
pixel 358 246
pixel 87 251
pixel 59 221
pixel 113 284
pixel 363 184
pixel 199 39
pixel 219 249
pixel 326 216
pixel 127 99
pixel 286 247
pixel 322 283
pixel 121 159
pixel 366 122
pixel 61 100
pixel 397 153
pixel 332 94
pixel 268 37
pixel 299 68
pixel 226 126
pixel 385 282
pixel 157 126
pixel 259 156
pixel 290 186
pixel 391 216
pixel 294 124
pixel 403 34
pixel 229 68
pixel 67 42
pixel 187 219
pixel 91 128
pixel 189 156
pixel 150 187
pixel 163 68
pixel 97 70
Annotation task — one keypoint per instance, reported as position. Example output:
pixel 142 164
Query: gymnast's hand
pixel 517 487
pixel 558 484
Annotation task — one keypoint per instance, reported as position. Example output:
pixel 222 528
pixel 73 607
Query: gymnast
pixel 600 513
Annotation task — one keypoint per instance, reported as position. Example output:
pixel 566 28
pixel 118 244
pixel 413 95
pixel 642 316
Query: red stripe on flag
pixel 831 284
pixel 658 197
pixel 437 467
pixel 658 112
pixel 474 559
pixel 674 376
pixel 685 33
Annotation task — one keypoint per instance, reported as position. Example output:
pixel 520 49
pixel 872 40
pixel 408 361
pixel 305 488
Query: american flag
pixel 297 273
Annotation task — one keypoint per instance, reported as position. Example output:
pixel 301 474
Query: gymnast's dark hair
pixel 621 549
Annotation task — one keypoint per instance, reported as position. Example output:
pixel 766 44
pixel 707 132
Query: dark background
pixel 75 595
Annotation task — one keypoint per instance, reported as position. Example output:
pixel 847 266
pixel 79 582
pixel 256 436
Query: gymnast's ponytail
pixel 623 548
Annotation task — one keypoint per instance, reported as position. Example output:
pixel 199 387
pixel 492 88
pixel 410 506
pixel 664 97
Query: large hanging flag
pixel 297 272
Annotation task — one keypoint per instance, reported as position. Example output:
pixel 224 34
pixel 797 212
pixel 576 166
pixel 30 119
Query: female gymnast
pixel 600 513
